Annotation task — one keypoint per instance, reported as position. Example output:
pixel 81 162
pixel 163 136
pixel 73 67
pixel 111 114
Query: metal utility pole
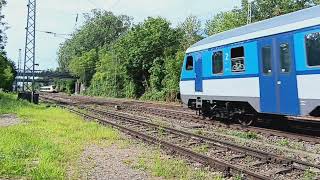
pixel 18 70
pixel 249 18
pixel 19 62
pixel 29 55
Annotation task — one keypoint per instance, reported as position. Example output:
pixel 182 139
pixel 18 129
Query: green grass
pixel 172 168
pixel 202 148
pixel 309 175
pixel 199 132
pixel 239 177
pixel 160 122
pixel 283 142
pixel 245 135
pixel 47 142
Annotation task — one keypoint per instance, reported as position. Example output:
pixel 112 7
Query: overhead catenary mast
pixel 29 56
pixel 18 70
pixel 249 18
pixel 19 61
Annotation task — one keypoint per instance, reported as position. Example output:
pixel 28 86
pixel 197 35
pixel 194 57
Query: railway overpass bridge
pixel 45 77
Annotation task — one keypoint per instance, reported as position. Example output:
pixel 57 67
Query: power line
pixel 54 33
pixel 58 11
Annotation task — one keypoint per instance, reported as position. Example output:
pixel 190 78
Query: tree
pixel 267 9
pixel 191 29
pixel 140 47
pixel 144 61
pixel 7 70
pixel 137 63
pixel 84 66
pixel 110 78
pixel 7 73
pixel 3 37
pixel 101 29
pixel 224 21
pixel 172 73
pixel 261 9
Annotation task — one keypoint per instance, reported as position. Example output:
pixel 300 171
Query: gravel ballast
pixel 9 120
pixel 109 163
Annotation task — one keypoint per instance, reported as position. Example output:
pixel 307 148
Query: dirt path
pixel 9 120
pixel 110 163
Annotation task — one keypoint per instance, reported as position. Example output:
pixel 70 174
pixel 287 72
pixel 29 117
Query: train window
pixel 266 60
pixel 217 62
pixel 189 64
pixel 313 49
pixel 237 59
pixel 285 58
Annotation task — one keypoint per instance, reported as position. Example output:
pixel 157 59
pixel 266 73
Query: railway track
pixel 227 157
pixel 189 116
pixel 196 119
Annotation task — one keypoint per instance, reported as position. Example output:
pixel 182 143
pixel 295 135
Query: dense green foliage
pixel 100 30
pixel 143 60
pixel 142 52
pixel 3 25
pixel 113 58
pixel 7 71
pixel 261 10
pixel 67 86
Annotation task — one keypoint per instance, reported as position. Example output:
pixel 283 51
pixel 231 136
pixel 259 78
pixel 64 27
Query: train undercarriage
pixel 238 112
pixel 241 112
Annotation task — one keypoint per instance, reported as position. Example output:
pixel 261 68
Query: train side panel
pixel 247 86
pixel 227 85
pixel 308 75
pixel 272 67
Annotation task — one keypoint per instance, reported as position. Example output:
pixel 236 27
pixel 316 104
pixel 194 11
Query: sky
pixel 59 16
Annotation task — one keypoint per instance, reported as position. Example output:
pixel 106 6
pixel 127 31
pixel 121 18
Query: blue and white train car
pixel 268 67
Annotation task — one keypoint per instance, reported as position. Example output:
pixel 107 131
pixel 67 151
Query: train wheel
pixel 246 120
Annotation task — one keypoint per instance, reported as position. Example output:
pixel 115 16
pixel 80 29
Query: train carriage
pixel 268 67
pixel 48 89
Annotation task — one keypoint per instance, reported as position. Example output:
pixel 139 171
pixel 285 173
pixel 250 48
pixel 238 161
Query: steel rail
pixel 212 162
pixel 262 155
pixel 254 152
pixel 189 117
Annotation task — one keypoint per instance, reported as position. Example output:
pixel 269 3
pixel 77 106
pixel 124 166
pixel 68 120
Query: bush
pixel 67 86
pixel 154 96
pixel 7 73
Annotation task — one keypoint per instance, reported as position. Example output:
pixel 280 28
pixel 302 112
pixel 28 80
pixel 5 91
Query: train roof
pixel 280 24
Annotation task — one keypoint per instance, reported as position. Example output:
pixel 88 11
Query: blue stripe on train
pixel 307 72
pixel 223 77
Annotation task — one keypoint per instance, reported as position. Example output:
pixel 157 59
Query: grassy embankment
pixel 49 142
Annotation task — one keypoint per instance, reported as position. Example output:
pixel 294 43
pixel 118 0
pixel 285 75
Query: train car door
pixel 287 77
pixel 278 81
pixel 268 93
pixel 198 73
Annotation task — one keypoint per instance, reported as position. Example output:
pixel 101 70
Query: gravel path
pixel 109 163
pixel 8 120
